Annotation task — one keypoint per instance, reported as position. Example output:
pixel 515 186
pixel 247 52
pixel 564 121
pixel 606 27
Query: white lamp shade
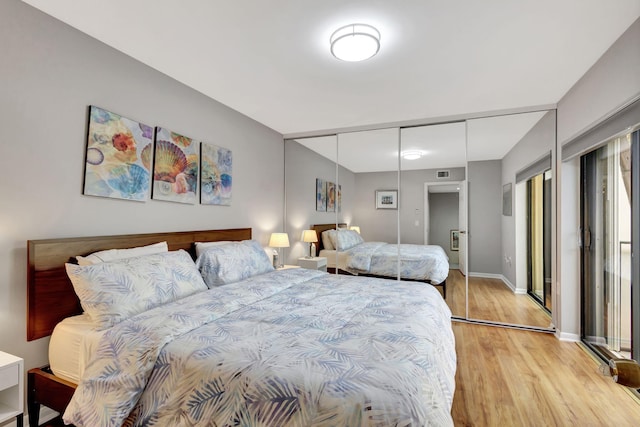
pixel 279 240
pixel 355 228
pixel 309 236
pixel 355 42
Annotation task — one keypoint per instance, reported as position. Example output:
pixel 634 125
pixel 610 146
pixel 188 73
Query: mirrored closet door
pixel 432 182
pixel 404 185
pixel 369 164
pixel 511 218
pixel 311 169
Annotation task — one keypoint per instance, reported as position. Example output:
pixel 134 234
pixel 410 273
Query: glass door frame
pixel 588 178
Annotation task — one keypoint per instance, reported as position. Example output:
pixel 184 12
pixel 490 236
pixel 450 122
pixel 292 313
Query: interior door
pixel 462 226
pixel 426 213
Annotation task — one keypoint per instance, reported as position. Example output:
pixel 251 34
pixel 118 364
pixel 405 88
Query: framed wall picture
pixel 321 195
pixel 386 199
pixel 454 244
pixel 175 167
pixel 331 197
pixel 506 199
pixel 119 156
pixel 216 164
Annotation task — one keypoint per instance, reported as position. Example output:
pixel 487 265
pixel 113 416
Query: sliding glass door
pixel 609 222
pixel 539 238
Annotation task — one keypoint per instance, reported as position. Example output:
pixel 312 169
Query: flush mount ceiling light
pixel 355 42
pixel 411 155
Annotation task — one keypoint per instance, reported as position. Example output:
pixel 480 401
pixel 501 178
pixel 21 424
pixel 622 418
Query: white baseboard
pixel 486 275
pixel 565 336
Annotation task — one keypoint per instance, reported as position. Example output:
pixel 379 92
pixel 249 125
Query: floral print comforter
pixel 417 262
pixel 287 348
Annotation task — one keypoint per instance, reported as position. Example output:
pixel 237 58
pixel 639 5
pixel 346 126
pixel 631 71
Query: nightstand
pixel 11 388
pixel 286 267
pixel 315 263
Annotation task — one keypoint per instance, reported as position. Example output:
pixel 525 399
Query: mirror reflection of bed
pixel 360 257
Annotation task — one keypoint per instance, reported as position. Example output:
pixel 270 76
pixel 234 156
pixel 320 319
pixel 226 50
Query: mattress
pixel 71 343
pixel 334 258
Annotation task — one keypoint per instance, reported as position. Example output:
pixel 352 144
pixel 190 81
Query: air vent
pixel 442 174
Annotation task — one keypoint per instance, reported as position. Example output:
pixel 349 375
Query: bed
pixel 423 263
pixel 284 347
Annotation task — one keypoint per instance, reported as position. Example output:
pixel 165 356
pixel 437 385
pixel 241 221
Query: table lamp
pixel 310 237
pixel 279 240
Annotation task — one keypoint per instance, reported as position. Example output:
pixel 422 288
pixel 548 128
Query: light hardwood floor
pixel 509 377
pixel 492 300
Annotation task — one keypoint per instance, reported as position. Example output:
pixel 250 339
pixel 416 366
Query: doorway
pixel 444 220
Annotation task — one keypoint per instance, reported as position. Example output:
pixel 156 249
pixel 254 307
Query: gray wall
pixel 303 166
pixel 443 217
pixel 50 74
pixel 534 145
pixel 608 85
pixel 376 225
pixel 612 81
pixel 485 216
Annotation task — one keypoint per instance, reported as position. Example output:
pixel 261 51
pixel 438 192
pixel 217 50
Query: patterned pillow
pixel 116 254
pixel 201 246
pixel 111 292
pixel 346 239
pixel 220 265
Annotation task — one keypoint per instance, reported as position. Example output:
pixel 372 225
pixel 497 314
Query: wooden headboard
pixel 319 228
pixel 50 295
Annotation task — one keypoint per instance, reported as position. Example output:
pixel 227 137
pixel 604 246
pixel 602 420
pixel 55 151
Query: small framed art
pixel 455 240
pixel 386 199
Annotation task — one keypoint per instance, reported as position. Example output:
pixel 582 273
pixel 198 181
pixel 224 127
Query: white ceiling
pixel 270 60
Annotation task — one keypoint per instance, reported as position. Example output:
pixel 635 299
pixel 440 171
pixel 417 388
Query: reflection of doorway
pixel 441 216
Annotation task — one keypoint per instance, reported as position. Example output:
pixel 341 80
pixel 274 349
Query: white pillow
pixel 111 292
pixel 326 240
pixel 116 254
pixel 201 246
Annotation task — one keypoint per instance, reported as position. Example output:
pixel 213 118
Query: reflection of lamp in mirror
pixel 309 236
pixel 278 240
pixel 355 228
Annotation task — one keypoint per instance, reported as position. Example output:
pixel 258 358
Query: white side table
pixel 286 267
pixel 315 263
pixel 11 388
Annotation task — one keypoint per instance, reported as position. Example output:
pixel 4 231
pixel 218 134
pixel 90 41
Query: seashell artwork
pixel 175 167
pixel 215 175
pixel 115 163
